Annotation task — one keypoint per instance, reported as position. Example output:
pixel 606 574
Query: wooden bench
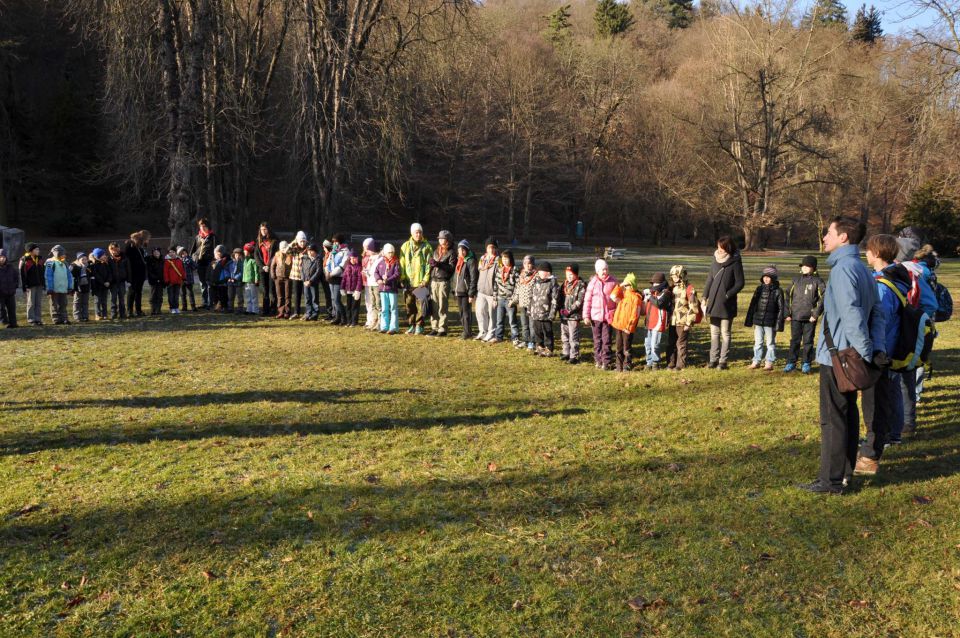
pixel 614 253
pixel 559 245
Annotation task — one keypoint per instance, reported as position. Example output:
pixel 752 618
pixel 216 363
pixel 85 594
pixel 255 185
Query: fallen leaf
pixel 76 600
pixel 83 581
pixel 209 575
pixel 491 467
pixel 372 478
pixel 922 500
pixel 310 515
pixel 642 604
pixel 754 446
pixel 65 585
pixel 286 559
pixel 920 523
pixel 859 604
pixel 517 605
pixel 326 468
pixel 27 509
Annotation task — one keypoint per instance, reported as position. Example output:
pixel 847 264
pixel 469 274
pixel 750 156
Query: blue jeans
pixel 506 313
pixel 311 301
pixel 389 317
pixel 651 345
pixel 764 335
pixel 338 311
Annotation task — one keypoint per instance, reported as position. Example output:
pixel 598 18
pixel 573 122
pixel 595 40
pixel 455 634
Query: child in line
pixel 352 287
pixel 119 276
pixel 571 311
pixel 280 273
pixel 486 308
pixel 506 278
pixel 189 276
pixel 598 309
pixel 465 286
pixel 296 251
pixel 686 314
pixel 9 282
pixel 388 279
pixel 766 314
pixel 658 300
pixel 155 279
pixel 100 280
pixel 217 279
pixel 59 282
pixel 521 299
pixel 543 307
pixel 625 320
pixel 173 277
pixel 371 257
pixel 32 278
pixel 81 284
pixel 235 282
pixel 251 279
pixel 804 306
pixel 311 270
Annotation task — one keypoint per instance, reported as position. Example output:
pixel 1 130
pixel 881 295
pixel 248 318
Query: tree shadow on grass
pixel 15 442
pixel 163 323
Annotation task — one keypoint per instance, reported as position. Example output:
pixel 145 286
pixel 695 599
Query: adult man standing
pixel 852 314
pixel 415 255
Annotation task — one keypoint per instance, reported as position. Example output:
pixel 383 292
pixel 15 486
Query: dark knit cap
pixel 545 266
pixel 574 268
pixel 658 278
pixel 810 261
pixel 491 242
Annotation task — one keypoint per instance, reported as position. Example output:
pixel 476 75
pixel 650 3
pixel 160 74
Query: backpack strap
pixel 889 284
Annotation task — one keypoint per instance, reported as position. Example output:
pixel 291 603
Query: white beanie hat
pixel 367 243
pixel 414 227
pixel 600 265
pixel 388 248
pixel 301 236
pixel 283 246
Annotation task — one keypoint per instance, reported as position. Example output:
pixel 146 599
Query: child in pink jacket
pixel 598 309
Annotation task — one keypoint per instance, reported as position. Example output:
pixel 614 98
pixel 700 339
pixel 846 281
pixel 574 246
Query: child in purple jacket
pixel 352 287
pixel 388 282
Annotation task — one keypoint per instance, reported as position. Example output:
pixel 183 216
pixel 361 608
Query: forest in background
pixel 655 121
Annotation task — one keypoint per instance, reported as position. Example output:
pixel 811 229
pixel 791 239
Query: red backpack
pixel 699 316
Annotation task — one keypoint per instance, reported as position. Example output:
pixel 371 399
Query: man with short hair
pixel 415 256
pixel 852 316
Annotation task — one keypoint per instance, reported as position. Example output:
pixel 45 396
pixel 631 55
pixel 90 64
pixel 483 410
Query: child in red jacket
pixel 657 303
pixel 174 275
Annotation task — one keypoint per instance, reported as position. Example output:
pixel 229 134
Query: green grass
pixel 210 476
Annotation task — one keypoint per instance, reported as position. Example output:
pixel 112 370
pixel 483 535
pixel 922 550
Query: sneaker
pixel 411 330
pixel 866 466
pixel 440 333
pixel 805 369
pixel 479 337
pixel 519 345
pixel 819 487
pixel 754 365
pixel 418 330
pixel 894 441
pixel 790 367
pixel 768 365
pixel 712 365
pixel 573 361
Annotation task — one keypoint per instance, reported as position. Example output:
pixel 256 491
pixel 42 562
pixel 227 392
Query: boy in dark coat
pixel 80 269
pixel 119 276
pixel 155 279
pixel 32 282
pixel 571 313
pixel 543 306
pixel 804 307
pixel 100 279
pixel 766 314
pixel 9 282
pixel 465 286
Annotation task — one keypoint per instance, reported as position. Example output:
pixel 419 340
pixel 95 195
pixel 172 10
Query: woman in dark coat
pixel 724 282
pixel 267 246
pixel 202 253
pixel 136 253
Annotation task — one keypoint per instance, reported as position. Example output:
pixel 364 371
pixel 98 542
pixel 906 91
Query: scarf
pixel 721 260
pixel 568 286
pixel 487 265
pixel 526 279
pixel 203 234
pixel 505 272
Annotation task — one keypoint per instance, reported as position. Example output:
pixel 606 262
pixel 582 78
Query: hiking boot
pixel 866 466
pixel 573 361
pixel 806 369
pixel 723 366
pixel 418 330
pixel 711 365
pixel 819 487
pixel 790 367
pixel 412 330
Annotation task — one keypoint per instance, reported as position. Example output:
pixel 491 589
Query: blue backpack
pixel 944 302
pixel 915 339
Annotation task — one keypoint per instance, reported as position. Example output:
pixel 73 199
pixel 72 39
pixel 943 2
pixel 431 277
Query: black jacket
pixel 805 297
pixel 311 270
pixel 571 301
pixel 258 255
pixel 99 274
pixel 31 273
pixel 767 307
pixel 76 271
pixel 155 270
pixel 723 283
pixel 543 298
pixel 505 286
pixel 202 249
pixel 444 267
pixel 136 262
pixel 119 270
pixel 9 279
pixel 465 281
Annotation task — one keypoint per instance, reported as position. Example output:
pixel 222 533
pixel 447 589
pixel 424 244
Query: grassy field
pixel 210 476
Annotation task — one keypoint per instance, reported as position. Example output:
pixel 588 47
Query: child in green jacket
pixel 251 279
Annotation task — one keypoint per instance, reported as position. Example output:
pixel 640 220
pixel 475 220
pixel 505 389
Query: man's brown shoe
pixel 866 467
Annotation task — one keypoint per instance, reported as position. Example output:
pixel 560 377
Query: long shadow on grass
pixel 164 323
pixel 24 443
pixel 206 398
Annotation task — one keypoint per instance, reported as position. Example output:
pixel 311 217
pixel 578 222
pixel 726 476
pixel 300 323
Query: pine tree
pixel 680 13
pixel 612 18
pixel 826 13
pixel 559 27
pixel 866 26
pixel 935 212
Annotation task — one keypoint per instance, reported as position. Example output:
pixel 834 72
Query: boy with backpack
pixel 804 307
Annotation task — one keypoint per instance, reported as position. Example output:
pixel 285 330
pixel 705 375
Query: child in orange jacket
pixel 625 320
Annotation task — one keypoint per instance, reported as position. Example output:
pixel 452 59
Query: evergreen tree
pixel 679 13
pixel 612 18
pixel 826 13
pixel 934 212
pixel 559 27
pixel 866 26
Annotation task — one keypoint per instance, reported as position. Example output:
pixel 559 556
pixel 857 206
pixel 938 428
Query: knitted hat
pixel 81 254
pixel 314 248
pixel 181 249
pixel 389 249
pixel 284 246
pixel 544 266
pixel 446 234
pixel 369 243
pixel 770 271
pixel 32 247
pixel 491 242
pixel 250 246
pixel 658 278
pixel 810 261
pixel 301 236
pixel 679 272
pixel 530 259
pixel 599 265
pixel 352 253
pixel 58 250
pixel 326 243
pixel 464 244
pixel 97 253
pixel 414 227
pixel 630 280
pixel 574 268
pixel 221 249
